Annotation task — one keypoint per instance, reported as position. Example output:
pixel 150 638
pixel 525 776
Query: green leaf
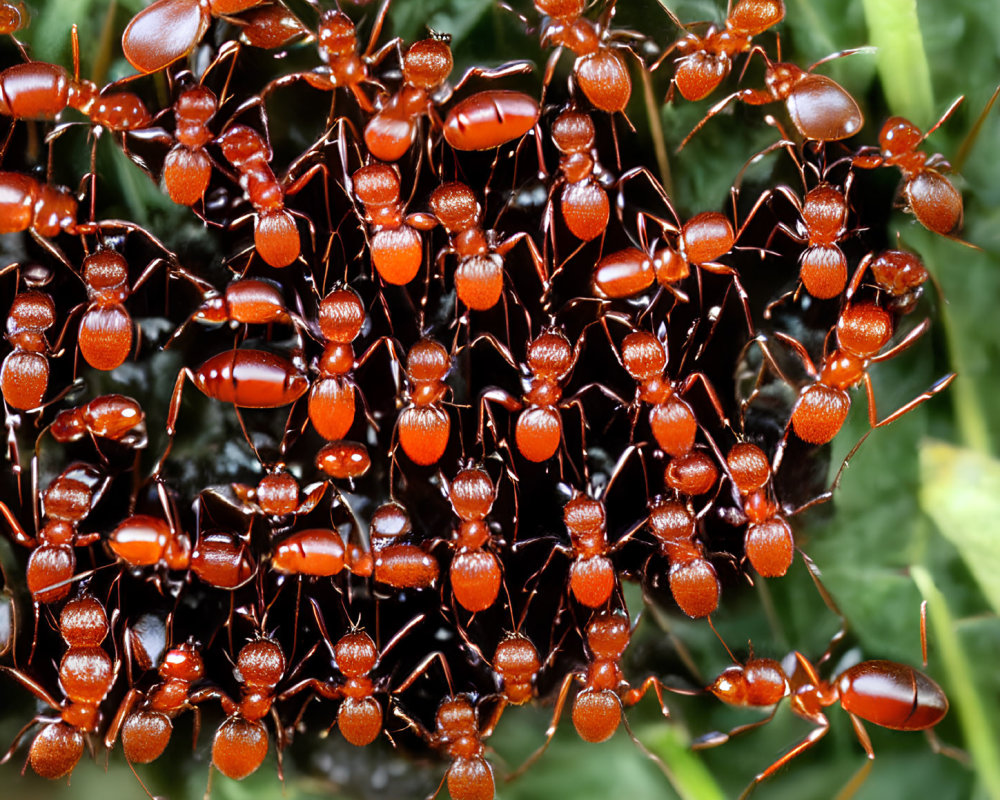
pixel 960 491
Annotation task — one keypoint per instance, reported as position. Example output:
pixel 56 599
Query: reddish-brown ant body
pixel 223 559
pixel 898 273
pixel 583 200
pixel 485 120
pixel 932 198
pixel 694 583
pixel 145 731
pixel 549 362
pixel 768 545
pixel 394 240
pixel 475 572
pixel 884 693
pixel 24 376
pixel 424 425
pixel 29 205
pixel 706 60
pixel 820 108
pixel 187 168
pixel 142 540
pixel 481 253
pixel 599 69
pixel 395 563
pixel 86 675
pixel 112 416
pixel 67 501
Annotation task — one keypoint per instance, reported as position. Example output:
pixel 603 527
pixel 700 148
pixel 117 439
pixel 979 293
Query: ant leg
pixel 817 734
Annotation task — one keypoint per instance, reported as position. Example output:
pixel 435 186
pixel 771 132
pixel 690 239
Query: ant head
pixel 863 329
pixel 550 355
pixel 643 356
pixel 516 661
pixel 693 473
pixel 278 492
pixel 472 494
pixel 456 714
pixel 377 185
pixel 706 237
pixel 337 35
pixel 731 686
pixel 356 654
pixel 583 515
pixel 573 132
pixel 341 316
pixel 899 272
pixel 428 63
pixel 560 9
pixel 196 104
pixel 456 207
pixel 898 136
pixel 428 361
pixel 183 662
pixel 670 521
pixel 608 635
pixel 748 467
pixel 83 622
pixel 390 521
pixel 261 663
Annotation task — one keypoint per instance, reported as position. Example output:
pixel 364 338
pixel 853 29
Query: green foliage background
pixel 918 512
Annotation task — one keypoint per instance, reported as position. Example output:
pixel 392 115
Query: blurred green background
pixel 917 516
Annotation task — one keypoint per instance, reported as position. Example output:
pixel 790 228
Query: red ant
pixel 187 168
pixel 423 425
pixel 898 273
pixel 168 30
pixel 475 571
pixel 223 559
pixel 395 563
pixel 459 734
pixel 706 60
pixel 275 235
pixel 270 26
pixel 67 501
pixel 599 69
pixel 42 209
pixel 24 376
pixel 700 241
pixel 932 198
pixel 142 540
pixel 245 301
pixel 768 545
pixel 598 705
pixel 241 742
pixel 111 416
pixel 481 253
pixel 146 730
pixel 343 66
pixel 863 329
pixel 820 108
pixel 276 497
pixel 583 201
pixel 13 17
pixel 884 693
pixel 86 675
pixel 671 419
pixel 355 656
pixel 394 241
pixel 472 125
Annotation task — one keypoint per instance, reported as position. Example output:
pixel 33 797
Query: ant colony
pixel 426 388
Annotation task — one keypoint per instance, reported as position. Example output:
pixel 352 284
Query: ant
pixel 706 60
pixel 145 730
pixel 114 417
pixel 275 235
pixel 599 69
pixel 142 540
pixel 393 240
pixel 396 563
pixel 485 120
pixel 898 273
pixel 356 657
pixel 86 675
pixel 427 64
pixel 168 30
pixel 221 558
pixel 42 209
pixel 481 253
pixel 423 425
pixel 276 497
pixel 24 376
pixel 932 198
pixel 67 501
pixel 583 201
pixel 820 108
pixel 598 705
pixel 884 693
pixel 549 361
pixel 187 168
pixel 768 544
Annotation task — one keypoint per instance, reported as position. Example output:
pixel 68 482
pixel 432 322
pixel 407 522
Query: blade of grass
pixel 980 738
pixel 894 29
pixel 690 777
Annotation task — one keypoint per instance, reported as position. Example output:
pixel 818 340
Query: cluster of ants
pixel 465 370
